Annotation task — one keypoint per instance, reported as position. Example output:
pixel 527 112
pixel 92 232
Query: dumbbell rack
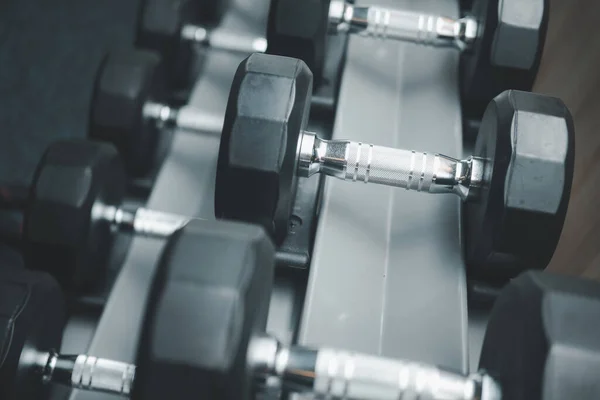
pixel 387 275
pixel 184 185
pixel 400 249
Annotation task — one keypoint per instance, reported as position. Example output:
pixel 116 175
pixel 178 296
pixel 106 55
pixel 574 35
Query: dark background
pixel 50 53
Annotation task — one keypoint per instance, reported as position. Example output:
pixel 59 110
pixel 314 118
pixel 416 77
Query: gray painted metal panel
pixel 387 275
pixel 478 319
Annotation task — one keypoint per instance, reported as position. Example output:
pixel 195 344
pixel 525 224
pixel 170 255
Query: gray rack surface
pixel 387 275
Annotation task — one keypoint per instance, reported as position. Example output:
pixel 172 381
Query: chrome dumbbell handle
pixel 186 117
pixel 222 40
pixel 412 170
pixel 155 223
pixel 326 373
pixel 142 221
pixel 377 22
pixel 88 373
pixel 338 374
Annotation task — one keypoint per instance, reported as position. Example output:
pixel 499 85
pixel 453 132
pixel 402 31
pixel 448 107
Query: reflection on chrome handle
pixel 408 169
pixel 346 375
pixel 339 374
pixel 403 25
pixel 88 373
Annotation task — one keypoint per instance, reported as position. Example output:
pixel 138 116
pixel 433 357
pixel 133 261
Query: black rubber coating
pixel 128 79
pixel 210 12
pixel 542 338
pixel 210 296
pixel 159 29
pixel 32 316
pixel 481 81
pixel 61 236
pixel 267 110
pixel 528 143
pixel 50 52
pixel 299 29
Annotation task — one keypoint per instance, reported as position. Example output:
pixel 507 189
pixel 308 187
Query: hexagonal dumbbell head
pixel 526 141
pixel 126 81
pixel 32 316
pixel 211 12
pixel 518 40
pixel 507 52
pixel 542 338
pixel 160 28
pixel 268 108
pixel 62 236
pixel 298 29
pixel 210 296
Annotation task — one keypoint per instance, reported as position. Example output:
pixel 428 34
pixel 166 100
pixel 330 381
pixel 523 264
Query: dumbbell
pixel 210 12
pixel 501 40
pixel 128 107
pixel 204 334
pixel 515 186
pixel 73 209
pixel 166 26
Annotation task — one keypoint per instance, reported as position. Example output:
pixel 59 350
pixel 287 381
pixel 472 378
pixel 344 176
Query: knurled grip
pixel 407 169
pixel 344 375
pixel 100 375
pixel 430 30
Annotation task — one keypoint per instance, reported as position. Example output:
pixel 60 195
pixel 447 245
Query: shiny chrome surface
pixel 100 375
pixel 277 367
pixel 265 360
pixel 338 374
pixel 223 40
pixel 161 113
pixel 194 33
pixel 409 169
pixel 47 363
pixel 325 372
pixel 142 221
pixel 318 155
pixel 157 223
pixel 186 117
pixel 90 373
pixel 385 23
pixel 194 119
pixel 342 374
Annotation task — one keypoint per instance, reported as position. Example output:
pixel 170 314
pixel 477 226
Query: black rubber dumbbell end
pixel 268 108
pixel 541 340
pixel 507 52
pixel 126 81
pixel 210 12
pixel 527 144
pixel 32 316
pixel 74 179
pixel 160 29
pixel 210 296
pixel 299 29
